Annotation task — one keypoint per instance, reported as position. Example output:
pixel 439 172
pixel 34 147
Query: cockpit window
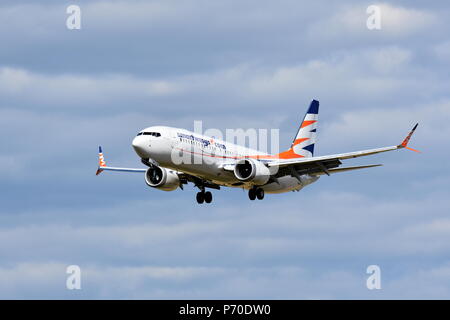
pixel 155 134
pixel 139 134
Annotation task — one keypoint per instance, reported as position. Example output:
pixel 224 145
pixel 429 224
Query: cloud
pixel 369 72
pixel 275 252
pixel 270 235
pixel 77 88
pixel 206 283
pixel 405 21
pixel 389 124
pixel 373 74
pixel 350 22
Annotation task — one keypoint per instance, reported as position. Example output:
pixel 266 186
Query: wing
pixel 336 170
pixel 326 164
pixel 184 177
pixel 102 165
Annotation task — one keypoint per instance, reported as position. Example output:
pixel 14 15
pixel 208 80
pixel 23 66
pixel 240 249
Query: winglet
pixel 101 161
pixel 405 142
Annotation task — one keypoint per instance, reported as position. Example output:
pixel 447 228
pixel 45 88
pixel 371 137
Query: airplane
pixel 231 165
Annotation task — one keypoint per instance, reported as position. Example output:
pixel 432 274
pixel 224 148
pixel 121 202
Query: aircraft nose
pixel 139 146
pixel 135 142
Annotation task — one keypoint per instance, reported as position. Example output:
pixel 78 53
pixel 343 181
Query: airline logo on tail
pixel 303 144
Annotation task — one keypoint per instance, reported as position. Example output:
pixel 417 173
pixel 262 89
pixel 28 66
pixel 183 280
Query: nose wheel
pixel 203 196
pixel 254 193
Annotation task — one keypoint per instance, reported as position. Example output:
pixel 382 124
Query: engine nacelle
pixel 253 171
pixel 161 178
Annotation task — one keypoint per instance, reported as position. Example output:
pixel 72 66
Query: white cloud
pixel 388 60
pixel 399 21
pixel 367 74
pixel 389 125
pixel 259 235
pixel 46 281
pixel 424 283
pixel 349 22
pixel 78 87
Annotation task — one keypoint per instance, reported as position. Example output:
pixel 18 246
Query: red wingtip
pixel 413 149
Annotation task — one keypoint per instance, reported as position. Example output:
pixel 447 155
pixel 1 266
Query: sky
pixel 231 64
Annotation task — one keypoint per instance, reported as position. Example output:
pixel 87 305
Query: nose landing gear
pixel 256 192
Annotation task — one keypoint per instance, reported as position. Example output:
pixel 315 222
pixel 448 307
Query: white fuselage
pixel 206 157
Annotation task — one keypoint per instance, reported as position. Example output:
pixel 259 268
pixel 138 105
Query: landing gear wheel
pixel 208 197
pixel 200 197
pixel 252 194
pixel 260 193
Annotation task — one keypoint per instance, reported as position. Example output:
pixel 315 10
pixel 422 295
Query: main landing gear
pixel 255 192
pixel 204 196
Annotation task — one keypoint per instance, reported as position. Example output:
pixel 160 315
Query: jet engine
pixel 161 178
pixel 253 171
